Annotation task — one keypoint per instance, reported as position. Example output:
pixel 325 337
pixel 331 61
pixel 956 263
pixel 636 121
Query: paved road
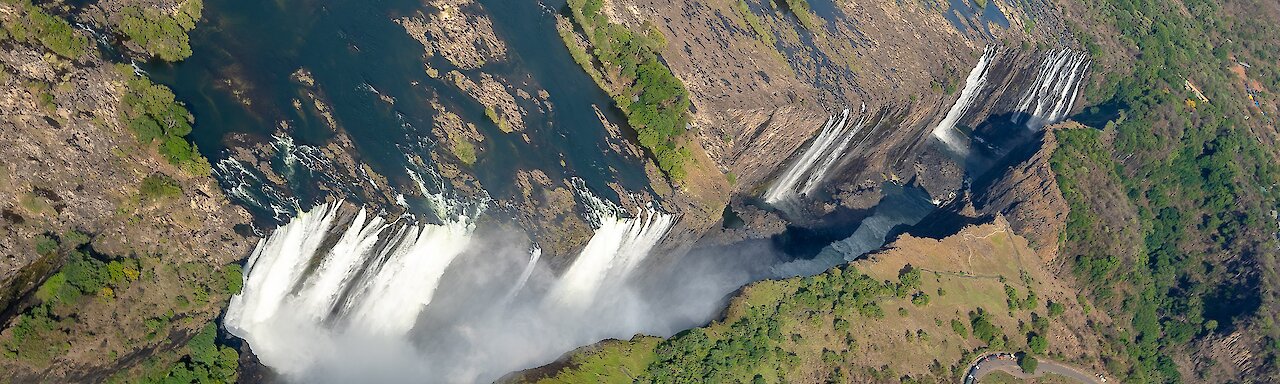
pixel 989 364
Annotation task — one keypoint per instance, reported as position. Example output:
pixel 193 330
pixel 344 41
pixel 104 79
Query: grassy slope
pixel 776 330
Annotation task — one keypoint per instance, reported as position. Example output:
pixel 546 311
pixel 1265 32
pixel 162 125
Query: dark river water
pixel 247 50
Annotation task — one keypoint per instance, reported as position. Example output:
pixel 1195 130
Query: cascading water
pixel 802 177
pixel 1051 96
pixel 609 258
pixel 336 296
pixel 325 276
pixel 819 174
pixel 973 85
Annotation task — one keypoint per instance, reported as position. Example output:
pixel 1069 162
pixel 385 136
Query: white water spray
pixel 1051 96
pixel 973 85
pixel 609 258
pixel 314 282
pixel 337 296
pixel 802 177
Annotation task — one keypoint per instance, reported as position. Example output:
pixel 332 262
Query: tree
pixel 1056 309
pixel 1028 363
pixel 1038 344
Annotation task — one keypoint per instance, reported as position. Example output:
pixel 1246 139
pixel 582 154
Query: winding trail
pixel 991 362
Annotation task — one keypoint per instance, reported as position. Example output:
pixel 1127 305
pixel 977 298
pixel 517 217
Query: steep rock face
pixel 1027 195
pixel 68 165
pixel 763 79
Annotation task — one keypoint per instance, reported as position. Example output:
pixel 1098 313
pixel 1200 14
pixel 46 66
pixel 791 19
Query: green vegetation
pixel 1038 344
pixel 232 279
pixel 54 33
pixel 56 324
pixel 984 330
pixel 837 326
pixel 1056 309
pixel 1016 303
pixel 497 119
pixel 1195 178
pixel 464 150
pixel 654 100
pixel 801 9
pixel 162 34
pixel 1028 363
pixel 152 114
pixel 157 187
pixel 39 334
pixel 579 54
pixel 201 361
pixel 753 344
pixel 959 327
pixel 753 21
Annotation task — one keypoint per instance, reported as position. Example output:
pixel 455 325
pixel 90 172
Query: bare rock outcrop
pixel 1028 195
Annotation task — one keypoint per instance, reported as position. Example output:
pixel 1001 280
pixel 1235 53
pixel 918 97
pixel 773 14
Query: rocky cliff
pixel 77 188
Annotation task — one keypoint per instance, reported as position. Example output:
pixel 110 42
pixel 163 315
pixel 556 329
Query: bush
pixel 158 186
pixel 75 239
pixel 654 99
pixel 151 112
pixel 464 150
pixel 160 33
pixel 46 245
pixel 1038 344
pixel 1028 363
pixel 233 279
pixel 52 32
pixel 1056 309
pixel 959 328
pixel 920 299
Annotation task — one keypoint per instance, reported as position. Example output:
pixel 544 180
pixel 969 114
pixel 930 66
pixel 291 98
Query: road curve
pixel 992 362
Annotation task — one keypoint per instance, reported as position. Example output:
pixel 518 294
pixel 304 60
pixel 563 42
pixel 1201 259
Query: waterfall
pixel 340 295
pixel 901 206
pixel 819 174
pixel 1050 97
pixel 826 148
pixel 314 281
pixel 946 129
pixel 534 255
pixel 612 254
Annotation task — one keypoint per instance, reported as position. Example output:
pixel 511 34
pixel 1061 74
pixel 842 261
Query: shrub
pixel 151 112
pixel 1038 344
pixel 52 32
pixel 959 328
pixel 464 150
pixel 158 186
pixel 654 100
pixel 160 33
pixel 46 245
pixel 1028 363
pixel 1056 309
pixel 75 239
pixel 233 279
pixel 920 299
